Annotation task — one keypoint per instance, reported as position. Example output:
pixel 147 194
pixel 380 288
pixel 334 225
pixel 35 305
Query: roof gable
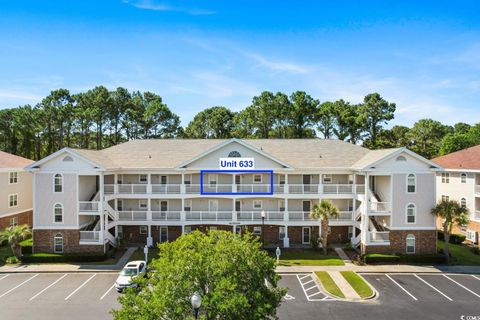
pixel 64 160
pixel 398 159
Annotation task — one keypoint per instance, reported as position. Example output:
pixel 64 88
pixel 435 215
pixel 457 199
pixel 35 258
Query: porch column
pixel 182 185
pixel 116 232
pixel 149 183
pixel 286 216
pixel 234 211
pixel 149 238
pixel 285 188
pixel 234 227
pixel 286 240
pixel 115 188
pixel 100 208
pixel 183 229
pixel 366 206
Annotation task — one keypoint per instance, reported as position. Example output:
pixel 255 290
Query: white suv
pixel 130 271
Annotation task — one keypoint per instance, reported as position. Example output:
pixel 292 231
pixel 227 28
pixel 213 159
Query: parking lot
pixel 400 296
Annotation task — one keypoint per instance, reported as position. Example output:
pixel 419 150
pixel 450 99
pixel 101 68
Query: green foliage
pixel 461 254
pixel 323 211
pixel 14 235
pixel 62 258
pixel 380 258
pixel 373 113
pixel 307 257
pixel 475 250
pixel 358 284
pixel 11 260
pixel 315 242
pixel 426 136
pixel 229 272
pixel 211 123
pixel 328 284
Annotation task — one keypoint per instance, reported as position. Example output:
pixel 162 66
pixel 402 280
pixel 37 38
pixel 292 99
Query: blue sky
pixel 423 55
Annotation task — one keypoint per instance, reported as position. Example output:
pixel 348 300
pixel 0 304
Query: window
pixel 187 229
pixel 281 233
pixel 411 213
pixel 58 213
pixel 257 231
pixel 463 202
pixel 142 203
pixel 411 183
pixel 445 177
pixel 234 154
pixel 445 198
pixel 463 178
pixel 306 231
pixel 281 205
pixel 187 206
pixel 257 178
pixel 58 183
pixel 143 178
pixel 13 177
pixel 327 178
pixel 410 243
pixel 163 234
pixel 143 230
pixel 163 179
pixel 401 158
pixel 163 206
pixel 58 243
pixel 257 204
pixel 12 200
pixel 14 222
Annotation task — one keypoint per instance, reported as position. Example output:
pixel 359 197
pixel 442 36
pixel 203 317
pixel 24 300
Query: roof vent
pixel 149 156
pixel 234 154
pixel 67 159
pixel 401 158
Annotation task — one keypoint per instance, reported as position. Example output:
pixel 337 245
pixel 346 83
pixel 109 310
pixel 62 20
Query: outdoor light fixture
pixel 196 303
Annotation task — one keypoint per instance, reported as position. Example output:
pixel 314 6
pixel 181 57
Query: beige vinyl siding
pixel 23 188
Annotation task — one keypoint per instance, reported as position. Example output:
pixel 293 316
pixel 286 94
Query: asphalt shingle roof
pixel 464 159
pixel 8 160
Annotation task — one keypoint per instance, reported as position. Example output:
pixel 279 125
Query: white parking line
pixel 48 287
pixel 21 284
pixel 315 286
pixel 81 286
pixel 4 277
pixel 461 285
pixel 428 284
pixel 411 295
pixel 308 282
pixel 471 275
pixel 303 277
pixel 110 289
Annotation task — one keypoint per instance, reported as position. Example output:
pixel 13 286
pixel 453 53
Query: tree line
pixel 100 118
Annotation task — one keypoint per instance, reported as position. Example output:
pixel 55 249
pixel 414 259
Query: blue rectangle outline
pixel 238 193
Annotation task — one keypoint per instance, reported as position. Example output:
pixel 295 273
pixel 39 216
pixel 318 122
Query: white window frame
pixel 15 200
pixel 445 177
pixel 414 183
pixel 463 199
pixel 258 202
pixel 463 177
pixel 472 236
pixel 255 180
pixel 54 213
pixel 60 175
pixel 14 221
pixel 309 235
pixel 140 176
pixel 281 234
pixel 58 236
pixel 142 203
pixel 327 178
pixel 414 213
pixel 13 177
pixel 410 237
pixel 143 229
pixel 257 230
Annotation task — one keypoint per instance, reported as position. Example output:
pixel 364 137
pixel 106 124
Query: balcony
pixel 166 215
pixel 166 188
pixel 89 207
pixel 89 237
pixel 380 208
pixel 379 237
pixel 343 216
pixel 257 216
pixel 208 215
pixel 132 215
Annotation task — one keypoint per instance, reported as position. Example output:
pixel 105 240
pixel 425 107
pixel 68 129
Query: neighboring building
pixel 460 181
pixel 148 191
pixel 16 191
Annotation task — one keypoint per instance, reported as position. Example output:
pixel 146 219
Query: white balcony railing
pixel 380 207
pixel 343 216
pixel 208 215
pixel 166 215
pixel 132 215
pixel 90 236
pixel 379 237
pixel 166 188
pixel 89 206
pixel 192 188
pixel 337 188
pixel 303 188
pixel 257 215
pixel 299 216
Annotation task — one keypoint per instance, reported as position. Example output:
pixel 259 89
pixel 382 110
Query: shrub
pixel 475 250
pixel 457 238
pixel 315 242
pixel 380 258
pixel 26 246
pixel 57 258
pixel 440 235
pixel 11 260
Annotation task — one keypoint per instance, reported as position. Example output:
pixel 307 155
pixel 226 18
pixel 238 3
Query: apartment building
pixel 150 191
pixel 16 191
pixel 460 181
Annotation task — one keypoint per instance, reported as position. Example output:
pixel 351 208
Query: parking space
pixel 302 287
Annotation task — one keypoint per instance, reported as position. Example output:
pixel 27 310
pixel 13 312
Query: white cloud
pixel 278 66
pixel 151 5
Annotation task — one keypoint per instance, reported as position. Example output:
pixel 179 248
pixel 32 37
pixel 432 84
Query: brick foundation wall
pixel 425 242
pixel 43 242
pixel 23 218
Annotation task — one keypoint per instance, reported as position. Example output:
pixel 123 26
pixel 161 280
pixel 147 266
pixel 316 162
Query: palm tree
pixel 451 212
pixel 14 235
pixel 323 212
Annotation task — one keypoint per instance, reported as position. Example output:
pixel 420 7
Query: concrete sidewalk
pixel 69 268
pixel 400 268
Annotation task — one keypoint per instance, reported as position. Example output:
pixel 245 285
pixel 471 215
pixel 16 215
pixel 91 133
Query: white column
pixel 182 185
pixel 149 183
pixel 116 232
pixel 285 188
pixel 183 229
pixel 115 188
pixel 366 204
pixel 102 214
pixel 286 216
pixel 149 238
pixel 286 240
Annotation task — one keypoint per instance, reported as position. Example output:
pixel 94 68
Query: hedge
pixel 404 258
pixel 454 237
pixel 26 246
pixel 56 258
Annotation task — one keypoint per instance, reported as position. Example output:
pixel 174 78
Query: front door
pixel 306 232
pixel 238 182
pixel 238 205
pixel 307 179
pixel 163 234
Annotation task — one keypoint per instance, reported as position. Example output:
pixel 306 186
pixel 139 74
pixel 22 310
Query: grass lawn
pixel 5 252
pixel 328 284
pixel 307 257
pixel 461 253
pixel 357 283
pixel 139 255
